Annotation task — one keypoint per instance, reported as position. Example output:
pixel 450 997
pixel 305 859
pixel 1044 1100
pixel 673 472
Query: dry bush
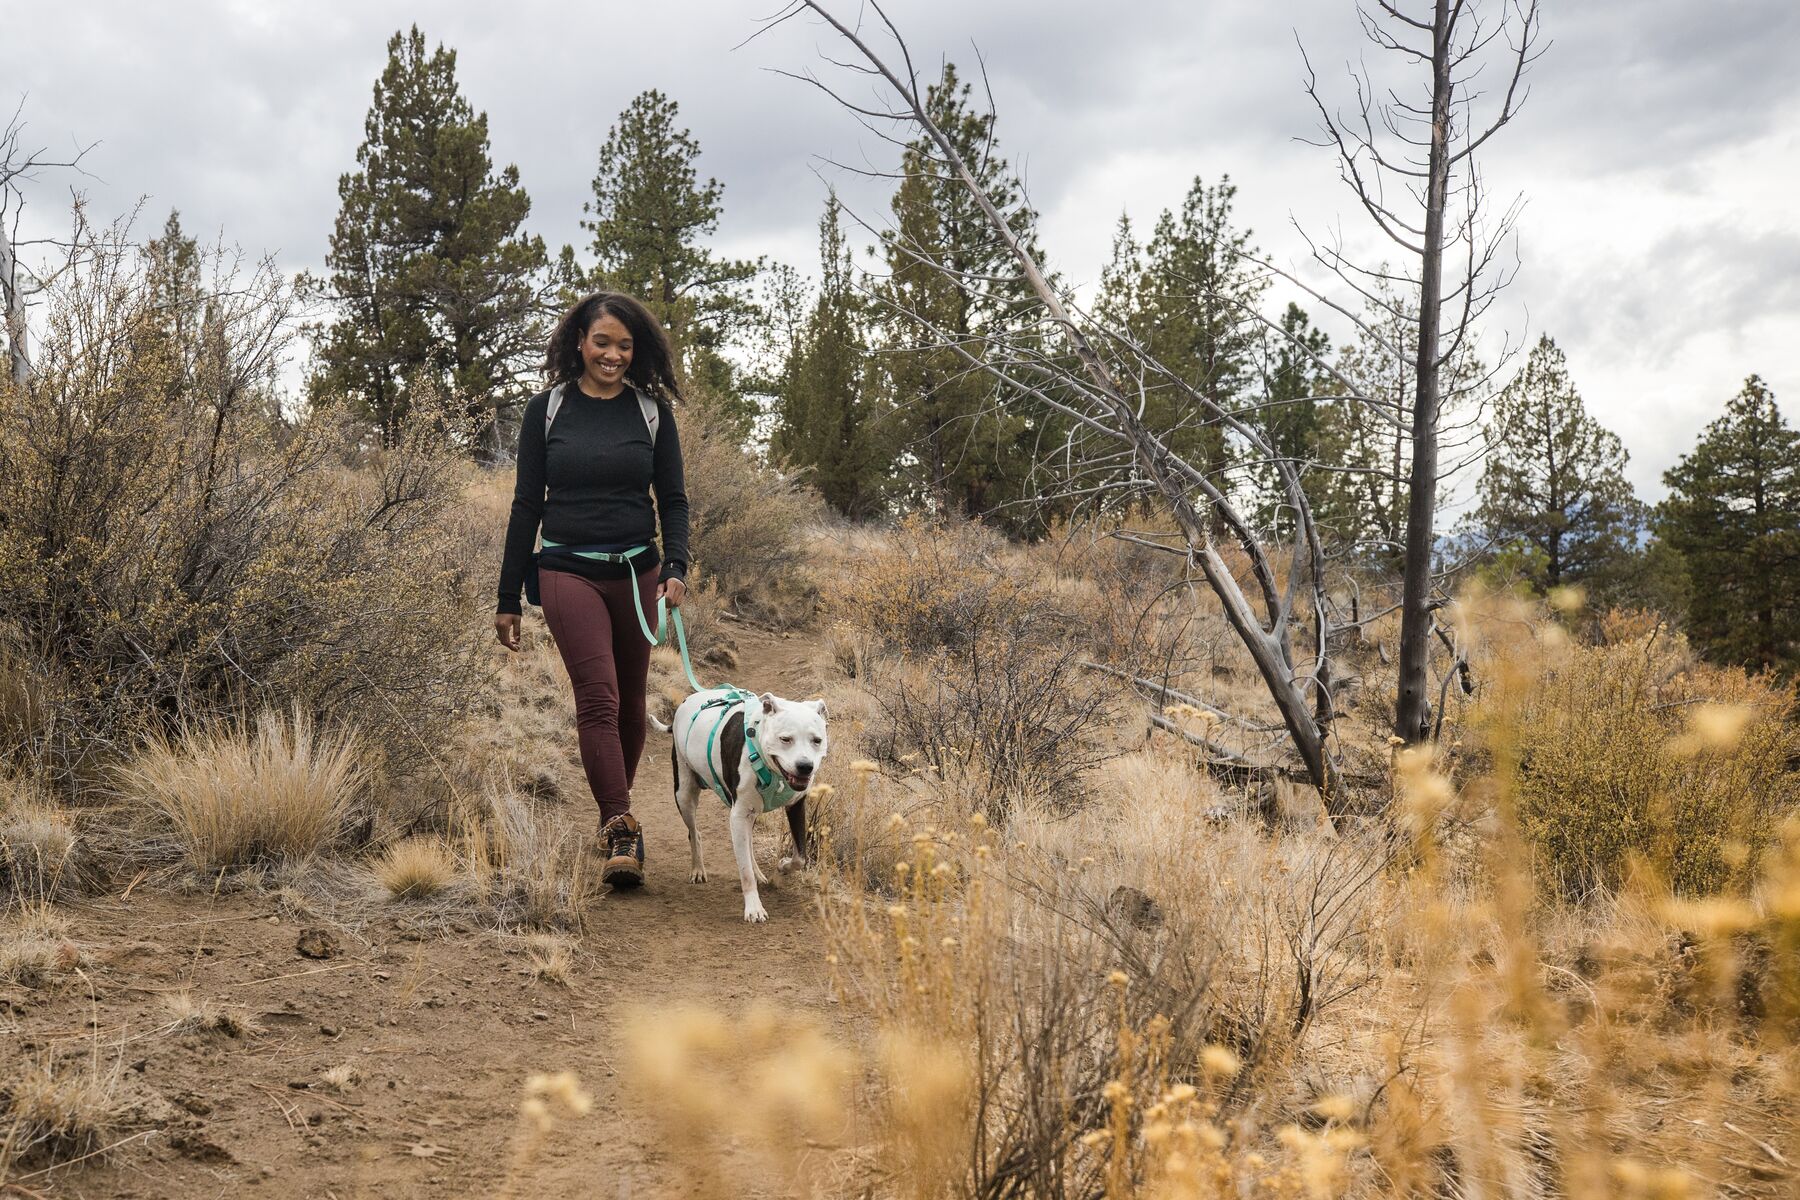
pixel 747 519
pixel 1621 761
pixel 929 585
pixel 172 544
pixel 232 795
pixel 416 869
pixel 1001 720
pixel 550 958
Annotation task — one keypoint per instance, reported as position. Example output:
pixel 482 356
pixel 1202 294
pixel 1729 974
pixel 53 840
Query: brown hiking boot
pixel 622 841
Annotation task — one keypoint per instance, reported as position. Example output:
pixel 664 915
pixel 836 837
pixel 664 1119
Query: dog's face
pixel 792 735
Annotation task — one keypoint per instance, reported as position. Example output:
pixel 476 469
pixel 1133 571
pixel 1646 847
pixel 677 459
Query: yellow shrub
pixel 1634 750
pixel 416 868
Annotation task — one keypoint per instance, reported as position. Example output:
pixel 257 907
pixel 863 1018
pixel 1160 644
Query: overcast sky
pixel 1658 156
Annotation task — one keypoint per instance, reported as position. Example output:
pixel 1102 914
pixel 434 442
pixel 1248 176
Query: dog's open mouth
pixel 794 781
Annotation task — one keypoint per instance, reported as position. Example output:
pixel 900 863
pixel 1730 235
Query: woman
pixel 586 474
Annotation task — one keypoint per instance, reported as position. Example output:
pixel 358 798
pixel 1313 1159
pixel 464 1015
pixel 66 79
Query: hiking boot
pixel 622 840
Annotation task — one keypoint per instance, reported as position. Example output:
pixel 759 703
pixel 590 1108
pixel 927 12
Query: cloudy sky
pixel 1658 155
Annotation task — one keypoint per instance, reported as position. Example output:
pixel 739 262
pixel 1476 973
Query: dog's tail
pixel 660 727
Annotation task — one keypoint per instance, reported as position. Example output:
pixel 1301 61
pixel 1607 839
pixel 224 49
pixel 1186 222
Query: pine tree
pixel 1184 296
pixel 1293 380
pixel 1733 516
pixel 828 416
pixel 1555 477
pixel 963 452
pixel 650 216
pixel 430 272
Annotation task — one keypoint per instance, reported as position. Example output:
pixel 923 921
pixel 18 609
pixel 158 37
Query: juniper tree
pixel 1555 477
pixel 650 218
pixel 430 271
pixel 1733 515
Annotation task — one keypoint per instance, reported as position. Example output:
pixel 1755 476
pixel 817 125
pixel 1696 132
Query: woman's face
pixel 606 351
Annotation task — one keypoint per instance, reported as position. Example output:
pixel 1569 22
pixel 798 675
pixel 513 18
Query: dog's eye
pixel 818 741
pixel 787 739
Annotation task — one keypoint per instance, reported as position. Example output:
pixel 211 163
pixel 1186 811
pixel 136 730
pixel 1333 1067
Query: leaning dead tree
pixel 1410 157
pixel 1094 377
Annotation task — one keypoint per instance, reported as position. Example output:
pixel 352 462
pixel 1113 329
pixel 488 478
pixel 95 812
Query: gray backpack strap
pixel 652 417
pixel 555 402
pixel 646 405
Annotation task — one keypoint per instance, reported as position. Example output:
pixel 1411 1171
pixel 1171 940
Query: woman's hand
pixel 674 589
pixel 506 628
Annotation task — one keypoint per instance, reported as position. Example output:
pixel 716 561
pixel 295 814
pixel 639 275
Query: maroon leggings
pixel 596 629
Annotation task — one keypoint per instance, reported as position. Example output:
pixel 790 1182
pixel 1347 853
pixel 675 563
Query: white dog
pixel 757 753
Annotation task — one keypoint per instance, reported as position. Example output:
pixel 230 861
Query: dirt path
pixel 444 1031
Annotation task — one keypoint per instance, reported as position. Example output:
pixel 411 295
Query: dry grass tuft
pixel 342 1078
pixel 38 845
pixel 190 1015
pixel 52 1111
pixel 416 869
pixel 235 796
pixel 550 958
pixel 34 945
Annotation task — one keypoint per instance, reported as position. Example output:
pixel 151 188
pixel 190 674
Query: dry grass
pixel 550 958
pixel 34 944
pixel 233 795
pixel 416 869
pixel 38 846
pixel 1157 995
pixel 190 1015
pixel 342 1078
pixel 54 1111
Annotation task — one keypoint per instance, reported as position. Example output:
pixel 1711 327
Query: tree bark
pixel 1412 710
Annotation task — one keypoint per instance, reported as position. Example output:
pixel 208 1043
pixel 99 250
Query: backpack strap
pixel 646 406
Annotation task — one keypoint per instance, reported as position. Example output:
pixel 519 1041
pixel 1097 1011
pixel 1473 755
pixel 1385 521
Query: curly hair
pixel 652 362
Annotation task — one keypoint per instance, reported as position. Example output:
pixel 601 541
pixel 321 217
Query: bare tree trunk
pixel 18 352
pixel 1412 710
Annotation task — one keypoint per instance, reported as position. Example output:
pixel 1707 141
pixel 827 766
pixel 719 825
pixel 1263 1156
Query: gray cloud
pixel 243 116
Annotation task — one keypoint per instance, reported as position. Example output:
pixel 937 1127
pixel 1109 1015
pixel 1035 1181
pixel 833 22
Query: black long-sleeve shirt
pixel 589 484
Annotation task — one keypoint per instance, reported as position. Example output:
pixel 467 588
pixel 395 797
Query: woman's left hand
pixel 674 589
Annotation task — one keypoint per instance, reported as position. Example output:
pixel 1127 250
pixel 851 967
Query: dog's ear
pixel 768 703
pixel 820 705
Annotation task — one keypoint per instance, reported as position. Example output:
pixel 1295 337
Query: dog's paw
pixel 789 864
pixel 698 876
pixel 754 912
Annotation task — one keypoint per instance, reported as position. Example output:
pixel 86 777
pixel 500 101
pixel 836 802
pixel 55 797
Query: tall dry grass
pixel 1159 996
pixel 237 794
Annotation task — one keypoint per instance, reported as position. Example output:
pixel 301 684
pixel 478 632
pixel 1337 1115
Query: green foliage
pixel 1733 515
pixel 1184 297
pixel 830 413
pixel 1291 417
pixel 1613 772
pixel 431 275
pixel 1555 477
pixel 952 284
pixel 649 217
pixel 169 549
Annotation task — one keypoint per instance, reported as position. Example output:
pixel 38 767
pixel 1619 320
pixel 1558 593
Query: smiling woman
pixel 592 450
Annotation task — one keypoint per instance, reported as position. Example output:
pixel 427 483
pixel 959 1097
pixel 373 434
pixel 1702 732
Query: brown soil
pixel 444 1028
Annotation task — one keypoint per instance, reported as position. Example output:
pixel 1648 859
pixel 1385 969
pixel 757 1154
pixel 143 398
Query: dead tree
pixel 17 283
pixel 1094 375
pixel 1411 162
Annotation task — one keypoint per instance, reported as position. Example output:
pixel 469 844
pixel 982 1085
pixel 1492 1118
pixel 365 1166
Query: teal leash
pixel 660 636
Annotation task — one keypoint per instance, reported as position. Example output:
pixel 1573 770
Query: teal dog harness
pixel 772 786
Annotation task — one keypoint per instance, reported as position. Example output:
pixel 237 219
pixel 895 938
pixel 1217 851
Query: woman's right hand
pixel 506 628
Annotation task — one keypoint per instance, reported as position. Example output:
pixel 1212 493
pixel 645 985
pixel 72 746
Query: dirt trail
pixel 443 1030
